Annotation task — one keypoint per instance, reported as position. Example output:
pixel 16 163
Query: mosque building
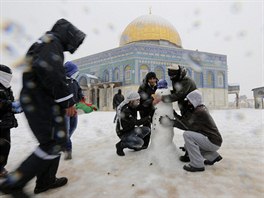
pixel 150 43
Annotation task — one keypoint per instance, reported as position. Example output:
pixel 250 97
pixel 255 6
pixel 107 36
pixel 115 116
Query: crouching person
pixel 202 138
pixel 128 128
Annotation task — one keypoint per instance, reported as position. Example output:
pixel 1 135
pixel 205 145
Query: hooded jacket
pixel 182 86
pixel 45 93
pixel 198 119
pixel 44 70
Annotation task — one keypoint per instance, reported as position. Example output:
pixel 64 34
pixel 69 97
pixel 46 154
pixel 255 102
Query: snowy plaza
pixel 97 172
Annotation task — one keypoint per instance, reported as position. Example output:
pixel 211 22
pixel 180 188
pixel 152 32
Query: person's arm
pixel 175 96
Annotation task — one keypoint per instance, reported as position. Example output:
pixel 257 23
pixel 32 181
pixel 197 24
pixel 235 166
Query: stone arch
pixel 106 76
pixel 160 73
pixel 116 75
pixel 127 75
pixel 220 79
pixel 143 70
pixel 189 72
pixel 198 77
pixel 210 79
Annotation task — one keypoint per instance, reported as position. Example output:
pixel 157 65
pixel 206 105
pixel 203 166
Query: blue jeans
pixel 71 124
pixel 134 139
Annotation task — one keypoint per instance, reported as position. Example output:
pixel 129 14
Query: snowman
pixel 162 150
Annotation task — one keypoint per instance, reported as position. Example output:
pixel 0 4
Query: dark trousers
pixel 5 146
pixel 44 161
pixel 45 170
pixel 71 125
pixel 135 138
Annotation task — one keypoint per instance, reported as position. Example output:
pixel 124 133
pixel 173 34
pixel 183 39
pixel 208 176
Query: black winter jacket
pixel 145 91
pixel 7 118
pixel 180 90
pixel 129 120
pixel 75 89
pixel 199 120
pixel 45 93
pixel 118 98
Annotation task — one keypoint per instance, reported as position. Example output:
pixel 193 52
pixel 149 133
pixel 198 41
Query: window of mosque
pixel 116 75
pixel 220 79
pixel 159 73
pixel 189 72
pixel 127 74
pixel 144 69
pixel 198 77
pixel 210 79
pixel 106 76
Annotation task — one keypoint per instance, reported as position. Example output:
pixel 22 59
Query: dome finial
pixel 149 9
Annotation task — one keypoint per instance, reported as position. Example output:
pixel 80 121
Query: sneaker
pixel 184 158
pixel 119 149
pixel 207 162
pixel 67 155
pixel 3 173
pixel 56 184
pixel 192 169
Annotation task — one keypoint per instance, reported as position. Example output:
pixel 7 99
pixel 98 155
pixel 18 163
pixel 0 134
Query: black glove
pixel 166 121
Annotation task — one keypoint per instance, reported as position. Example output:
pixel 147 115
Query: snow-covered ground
pixel 97 172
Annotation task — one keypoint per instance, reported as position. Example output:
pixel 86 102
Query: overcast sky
pixel 233 28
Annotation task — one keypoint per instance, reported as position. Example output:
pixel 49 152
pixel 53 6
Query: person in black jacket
pixel 146 90
pixel 202 138
pixel 118 98
pixel 71 121
pixel 45 98
pixel 128 127
pixel 8 107
pixel 182 85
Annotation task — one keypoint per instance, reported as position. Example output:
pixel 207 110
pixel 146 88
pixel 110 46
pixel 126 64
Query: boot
pixel 56 184
pixel 3 173
pixel 67 155
pixel 207 162
pixel 185 157
pixel 192 169
pixel 119 149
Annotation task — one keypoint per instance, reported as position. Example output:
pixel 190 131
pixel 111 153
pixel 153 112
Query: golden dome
pixel 150 27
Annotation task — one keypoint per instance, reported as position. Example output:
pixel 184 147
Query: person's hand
pixel 71 111
pixel 166 121
pixel 156 99
pixel 16 107
pixel 94 107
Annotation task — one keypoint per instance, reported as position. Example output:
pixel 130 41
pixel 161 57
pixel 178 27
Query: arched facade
pixel 126 66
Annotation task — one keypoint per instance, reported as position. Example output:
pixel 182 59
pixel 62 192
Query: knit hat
pixel 132 96
pixel 195 97
pixel 162 84
pixel 70 68
pixel 5 76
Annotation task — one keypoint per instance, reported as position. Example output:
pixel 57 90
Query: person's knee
pixel 187 135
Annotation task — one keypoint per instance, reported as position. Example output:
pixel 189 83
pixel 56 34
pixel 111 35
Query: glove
pixel 166 121
pixel 94 107
pixel 71 111
pixel 16 107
